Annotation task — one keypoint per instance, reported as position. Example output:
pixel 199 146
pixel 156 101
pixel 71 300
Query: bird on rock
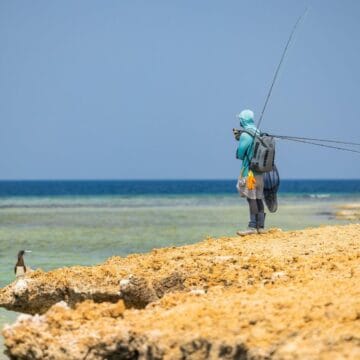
pixel 20 268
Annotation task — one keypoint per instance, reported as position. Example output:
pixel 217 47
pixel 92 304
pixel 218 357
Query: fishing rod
pixel 317 144
pixel 314 139
pixel 304 140
pixel 279 66
pixel 311 141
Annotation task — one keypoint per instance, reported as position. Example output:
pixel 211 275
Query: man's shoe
pixel 248 231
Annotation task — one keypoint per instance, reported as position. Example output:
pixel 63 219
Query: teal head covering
pixel 246 118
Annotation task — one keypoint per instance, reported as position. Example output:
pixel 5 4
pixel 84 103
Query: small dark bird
pixel 20 268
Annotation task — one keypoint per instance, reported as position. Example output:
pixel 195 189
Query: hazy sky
pixel 149 89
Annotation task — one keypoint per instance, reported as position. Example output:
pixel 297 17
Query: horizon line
pixel 173 179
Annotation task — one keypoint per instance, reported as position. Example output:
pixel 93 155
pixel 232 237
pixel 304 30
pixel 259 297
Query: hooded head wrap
pixel 246 118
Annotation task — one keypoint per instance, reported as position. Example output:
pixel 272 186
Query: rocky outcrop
pixel 265 322
pixel 141 279
pixel 37 292
pixel 283 295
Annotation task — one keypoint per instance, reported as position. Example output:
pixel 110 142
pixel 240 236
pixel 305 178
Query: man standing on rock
pixel 250 184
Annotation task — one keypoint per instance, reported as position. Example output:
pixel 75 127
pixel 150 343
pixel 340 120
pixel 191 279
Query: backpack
pixel 264 152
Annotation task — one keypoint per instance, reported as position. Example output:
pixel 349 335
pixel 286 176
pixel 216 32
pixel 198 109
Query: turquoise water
pixel 64 231
pixel 71 230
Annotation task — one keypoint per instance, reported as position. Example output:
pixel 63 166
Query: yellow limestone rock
pixel 282 295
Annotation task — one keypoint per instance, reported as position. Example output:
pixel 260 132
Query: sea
pixel 67 223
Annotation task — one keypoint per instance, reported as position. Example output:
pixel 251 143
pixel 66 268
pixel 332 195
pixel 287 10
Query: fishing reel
pixel 237 133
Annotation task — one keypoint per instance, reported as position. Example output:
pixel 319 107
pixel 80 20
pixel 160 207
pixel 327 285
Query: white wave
pixel 319 196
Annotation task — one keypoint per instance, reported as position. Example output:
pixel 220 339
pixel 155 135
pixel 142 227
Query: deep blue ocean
pixel 165 187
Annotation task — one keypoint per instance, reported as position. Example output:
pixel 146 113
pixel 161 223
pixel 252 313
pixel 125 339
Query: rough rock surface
pixel 142 278
pixel 283 295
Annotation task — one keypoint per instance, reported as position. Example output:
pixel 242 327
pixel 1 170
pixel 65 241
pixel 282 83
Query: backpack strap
pixel 253 135
pixel 248 149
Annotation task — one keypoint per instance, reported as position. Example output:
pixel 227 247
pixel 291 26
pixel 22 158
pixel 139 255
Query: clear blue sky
pixel 150 89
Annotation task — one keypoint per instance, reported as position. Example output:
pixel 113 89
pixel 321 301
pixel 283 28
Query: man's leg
pixel 260 204
pixel 253 217
pixel 253 209
pixel 260 215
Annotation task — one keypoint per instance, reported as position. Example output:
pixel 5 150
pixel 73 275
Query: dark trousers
pixel 257 215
